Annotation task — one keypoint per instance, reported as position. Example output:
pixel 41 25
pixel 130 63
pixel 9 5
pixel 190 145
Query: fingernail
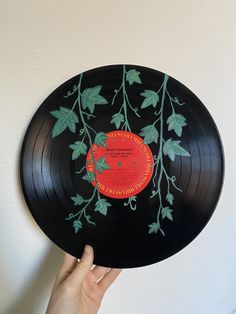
pixel 88 249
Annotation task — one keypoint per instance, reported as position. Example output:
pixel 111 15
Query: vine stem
pixel 87 163
pixel 171 103
pixel 77 172
pixel 116 93
pixel 174 100
pixel 129 202
pixel 160 88
pixel 124 100
pixel 158 114
pixel 133 109
pixel 85 125
pixel 156 121
pixel 83 210
pixel 160 151
pixel 168 179
pixel 88 114
pixel 69 93
pixel 88 126
pixel 156 164
pixel 176 187
pixel 159 158
pixel 74 104
pixel 83 137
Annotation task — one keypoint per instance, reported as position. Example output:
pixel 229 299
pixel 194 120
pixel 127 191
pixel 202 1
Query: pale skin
pixel 79 286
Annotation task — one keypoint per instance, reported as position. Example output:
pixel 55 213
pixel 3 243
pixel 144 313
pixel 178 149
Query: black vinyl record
pixel 126 159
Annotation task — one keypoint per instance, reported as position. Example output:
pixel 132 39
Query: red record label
pixel 124 166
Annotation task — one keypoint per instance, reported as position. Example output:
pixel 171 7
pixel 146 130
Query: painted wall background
pixel 42 44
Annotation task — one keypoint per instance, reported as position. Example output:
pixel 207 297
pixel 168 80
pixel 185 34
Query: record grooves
pixel 124 158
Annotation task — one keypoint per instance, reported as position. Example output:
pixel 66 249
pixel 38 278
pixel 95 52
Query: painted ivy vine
pixel 80 113
pixel 120 118
pixel 77 118
pixel 167 147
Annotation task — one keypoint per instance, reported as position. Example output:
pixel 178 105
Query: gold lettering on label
pixel 101 186
pixel 130 190
pixel 139 142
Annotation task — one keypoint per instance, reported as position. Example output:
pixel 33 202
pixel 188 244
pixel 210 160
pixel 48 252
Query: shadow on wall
pixel 31 298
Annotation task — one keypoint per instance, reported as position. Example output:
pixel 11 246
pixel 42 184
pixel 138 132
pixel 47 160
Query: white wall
pixel 42 44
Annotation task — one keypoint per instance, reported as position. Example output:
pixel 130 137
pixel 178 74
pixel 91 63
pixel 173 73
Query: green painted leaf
pixel 89 176
pixel 170 198
pixel 151 98
pixel 77 224
pixel 90 97
pixel 79 148
pixel 117 119
pixel 102 206
pixel 66 118
pixel 78 199
pixel 59 127
pixel 100 139
pixel 101 164
pixel 150 134
pixel 153 228
pixel 132 76
pixel 166 212
pixel 71 126
pixel 66 111
pixel 56 113
pixel 133 198
pixel 173 148
pixel 176 122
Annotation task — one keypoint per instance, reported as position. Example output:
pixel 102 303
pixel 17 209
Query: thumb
pixel 82 268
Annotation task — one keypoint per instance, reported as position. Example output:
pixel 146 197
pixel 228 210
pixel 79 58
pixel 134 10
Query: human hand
pixel 79 288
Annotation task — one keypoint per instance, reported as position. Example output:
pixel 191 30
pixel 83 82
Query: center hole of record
pixel 123 166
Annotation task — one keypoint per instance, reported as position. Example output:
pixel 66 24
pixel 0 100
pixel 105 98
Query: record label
pixel 128 163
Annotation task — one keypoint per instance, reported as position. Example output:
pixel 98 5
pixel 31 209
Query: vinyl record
pixel 124 158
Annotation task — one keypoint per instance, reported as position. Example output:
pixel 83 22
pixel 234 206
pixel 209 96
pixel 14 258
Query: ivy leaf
pixel 66 118
pixel 167 212
pixel 117 119
pixel 132 76
pixel 153 228
pixel 56 113
pixel 101 164
pixel 102 206
pixel 77 224
pixel 151 98
pixel 100 139
pixel 150 134
pixel 170 198
pixel 78 199
pixel 72 126
pixel 173 148
pixel 89 176
pixel 176 122
pixel 79 148
pixel 91 97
